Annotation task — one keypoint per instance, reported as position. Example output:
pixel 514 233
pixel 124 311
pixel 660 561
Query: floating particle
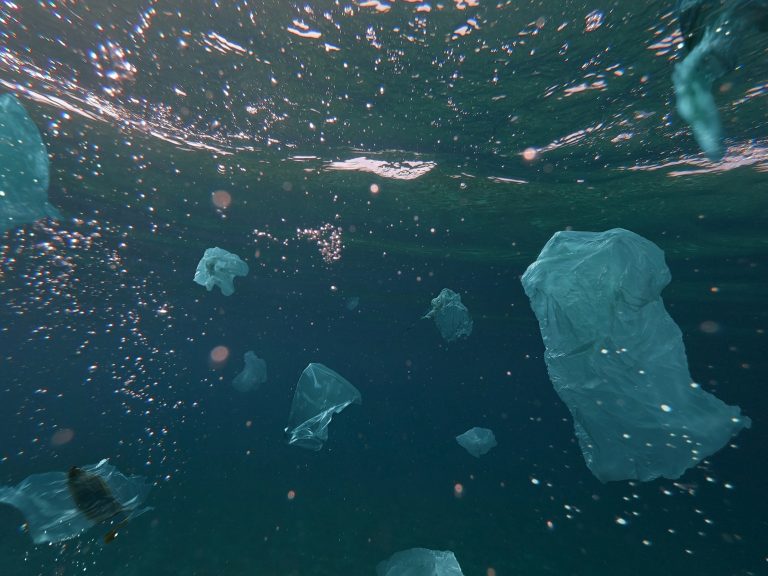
pixel 219 355
pixel 221 199
pixel 62 436
pixel 709 327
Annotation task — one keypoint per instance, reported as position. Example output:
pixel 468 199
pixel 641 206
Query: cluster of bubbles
pixel 327 237
pixel 69 286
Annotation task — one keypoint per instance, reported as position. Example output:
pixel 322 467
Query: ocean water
pixel 378 151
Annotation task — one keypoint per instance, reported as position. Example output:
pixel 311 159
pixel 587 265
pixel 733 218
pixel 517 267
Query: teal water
pixel 103 332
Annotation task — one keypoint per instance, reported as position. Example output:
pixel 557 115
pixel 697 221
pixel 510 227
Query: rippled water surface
pixel 360 157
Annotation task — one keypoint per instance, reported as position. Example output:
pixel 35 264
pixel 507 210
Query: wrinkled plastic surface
pixel 218 267
pixel 320 393
pixel 253 375
pixel 712 32
pixel 24 168
pixel 477 441
pixel 420 562
pixel 50 511
pixel 617 359
pixel 450 315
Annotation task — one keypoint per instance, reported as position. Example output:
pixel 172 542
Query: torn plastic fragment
pixel 420 562
pixel 450 315
pixel 218 267
pixel 253 375
pixel 48 501
pixel 24 168
pixel 477 441
pixel 320 393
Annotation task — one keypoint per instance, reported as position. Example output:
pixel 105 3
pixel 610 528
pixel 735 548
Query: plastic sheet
pixel 420 562
pixel 617 359
pixel 218 267
pixel 712 32
pixel 24 168
pixel 320 393
pixel 450 315
pixel 477 441
pixel 53 515
pixel 253 375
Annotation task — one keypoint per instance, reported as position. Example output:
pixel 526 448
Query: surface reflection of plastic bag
pixel 218 267
pixel 477 441
pixel 253 375
pixel 420 562
pixel 320 393
pixel 24 168
pixel 450 315
pixel 617 358
pixel 52 515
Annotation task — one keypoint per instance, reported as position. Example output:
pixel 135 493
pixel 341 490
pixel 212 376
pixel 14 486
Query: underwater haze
pixel 359 157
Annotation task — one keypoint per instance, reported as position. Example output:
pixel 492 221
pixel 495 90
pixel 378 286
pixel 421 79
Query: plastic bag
pixel 420 562
pixel 450 315
pixel 253 375
pixel 617 359
pixel 53 515
pixel 477 441
pixel 218 267
pixel 320 393
pixel 24 168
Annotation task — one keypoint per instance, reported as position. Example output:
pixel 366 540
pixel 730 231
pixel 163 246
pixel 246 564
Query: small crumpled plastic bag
pixel 477 441
pixel 253 375
pixel 320 393
pixel 51 513
pixel 450 315
pixel 218 267
pixel 420 562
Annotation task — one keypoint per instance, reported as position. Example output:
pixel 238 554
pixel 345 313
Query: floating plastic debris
pixel 59 505
pixel 218 267
pixel 253 375
pixel 24 168
pixel 712 32
pixel 420 562
pixel 320 393
pixel 450 315
pixel 617 359
pixel 477 441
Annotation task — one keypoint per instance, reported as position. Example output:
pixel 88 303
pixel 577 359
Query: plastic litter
pixel 320 393
pixel 53 515
pixel 420 562
pixel 24 168
pixel 450 315
pixel 712 32
pixel 477 441
pixel 253 375
pixel 218 267
pixel 617 359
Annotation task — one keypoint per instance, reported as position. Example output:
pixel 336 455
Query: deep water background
pixel 103 332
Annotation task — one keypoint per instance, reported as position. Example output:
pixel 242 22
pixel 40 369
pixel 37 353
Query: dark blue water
pixel 103 333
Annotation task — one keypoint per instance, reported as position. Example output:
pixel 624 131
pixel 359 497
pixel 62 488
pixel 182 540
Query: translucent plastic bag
pixel 477 441
pixel 55 513
pixel 320 393
pixel 253 375
pixel 218 267
pixel 450 315
pixel 420 562
pixel 24 168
